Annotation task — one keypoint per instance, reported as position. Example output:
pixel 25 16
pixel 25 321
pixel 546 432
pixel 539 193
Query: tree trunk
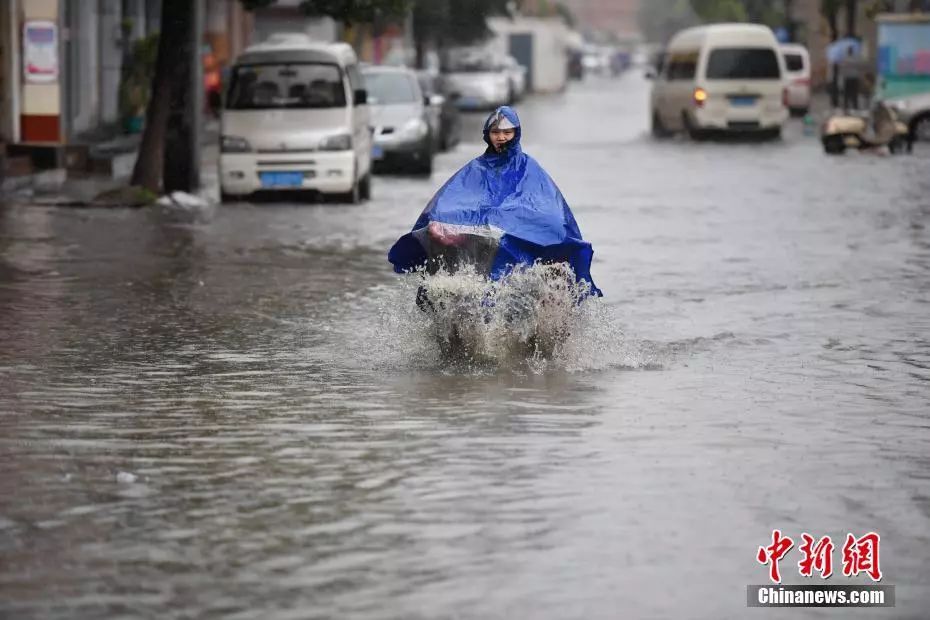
pixel 851 18
pixel 182 138
pixel 175 28
pixel 420 46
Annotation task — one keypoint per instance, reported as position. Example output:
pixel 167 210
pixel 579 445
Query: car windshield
pixel 794 62
pixel 390 87
pixel 743 63
pixel 293 85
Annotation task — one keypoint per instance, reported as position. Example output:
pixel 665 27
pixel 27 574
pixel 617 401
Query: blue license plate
pixel 377 151
pixel 468 102
pixel 742 101
pixel 282 179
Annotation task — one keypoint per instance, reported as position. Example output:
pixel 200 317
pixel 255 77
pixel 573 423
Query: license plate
pixel 468 102
pixel 742 101
pixel 377 152
pixel 282 179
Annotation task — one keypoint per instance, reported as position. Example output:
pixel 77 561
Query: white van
pixel 721 78
pixel 296 118
pixel 797 78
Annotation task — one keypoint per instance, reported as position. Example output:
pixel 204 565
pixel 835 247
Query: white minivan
pixel 721 78
pixel 296 118
pixel 797 78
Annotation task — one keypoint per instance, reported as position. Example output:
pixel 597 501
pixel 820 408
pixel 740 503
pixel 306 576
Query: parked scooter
pixel 879 129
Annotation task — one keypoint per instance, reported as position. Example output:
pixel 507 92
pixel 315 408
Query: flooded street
pixel 231 413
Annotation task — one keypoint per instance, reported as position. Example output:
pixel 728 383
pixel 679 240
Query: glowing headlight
pixel 415 128
pixel 341 142
pixel 234 144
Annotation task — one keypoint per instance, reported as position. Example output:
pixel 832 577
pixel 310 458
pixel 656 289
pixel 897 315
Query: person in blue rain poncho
pixel 506 196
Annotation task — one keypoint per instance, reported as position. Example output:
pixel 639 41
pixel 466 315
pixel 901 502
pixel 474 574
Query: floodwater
pixel 234 412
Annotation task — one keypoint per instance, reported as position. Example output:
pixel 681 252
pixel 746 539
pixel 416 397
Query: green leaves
pixel 349 11
pixel 451 22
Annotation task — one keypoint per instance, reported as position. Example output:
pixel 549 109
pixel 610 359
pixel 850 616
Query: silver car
pixel 475 80
pixel 914 110
pixel 399 118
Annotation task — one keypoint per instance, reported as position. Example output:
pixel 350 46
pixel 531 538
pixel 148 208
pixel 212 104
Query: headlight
pixel 415 129
pixel 341 142
pixel 234 144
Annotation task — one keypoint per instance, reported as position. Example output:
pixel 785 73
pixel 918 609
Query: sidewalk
pixel 61 187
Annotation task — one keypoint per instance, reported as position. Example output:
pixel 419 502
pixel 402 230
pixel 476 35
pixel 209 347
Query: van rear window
pixel 293 85
pixel 794 62
pixel 743 63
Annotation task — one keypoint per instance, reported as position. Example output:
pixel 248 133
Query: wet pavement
pixel 229 412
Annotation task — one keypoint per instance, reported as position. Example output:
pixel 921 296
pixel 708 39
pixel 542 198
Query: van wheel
pixel 225 198
pixel 658 129
pixel 695 133
pixel 772 134
pixel 365 186
pixel 353 196
pixel 834 145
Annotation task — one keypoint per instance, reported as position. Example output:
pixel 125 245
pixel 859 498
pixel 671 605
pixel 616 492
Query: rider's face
pixel 500 137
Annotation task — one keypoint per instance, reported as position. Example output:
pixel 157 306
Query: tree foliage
pixel 348 11
pixel 660 19
pixel 454 22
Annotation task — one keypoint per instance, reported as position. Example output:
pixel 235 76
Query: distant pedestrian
pixel 850 69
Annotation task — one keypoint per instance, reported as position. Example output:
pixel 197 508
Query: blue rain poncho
pixel 507 199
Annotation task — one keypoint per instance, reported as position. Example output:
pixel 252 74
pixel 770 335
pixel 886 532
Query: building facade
pixel 62 62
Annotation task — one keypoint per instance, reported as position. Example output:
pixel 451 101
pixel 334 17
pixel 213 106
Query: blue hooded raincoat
pixel 511 193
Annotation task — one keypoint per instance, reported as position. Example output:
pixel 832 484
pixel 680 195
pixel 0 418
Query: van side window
pixel 682 66
pixel 355 79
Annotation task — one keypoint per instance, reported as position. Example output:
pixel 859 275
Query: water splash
pixel 536 318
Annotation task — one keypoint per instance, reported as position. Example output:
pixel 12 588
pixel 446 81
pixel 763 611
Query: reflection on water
pixel 241 413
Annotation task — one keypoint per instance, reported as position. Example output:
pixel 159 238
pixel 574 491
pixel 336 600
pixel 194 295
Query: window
pixel 743 63
pixel 391 87
pixel 355 79
pixel 681 65
pixel 794 62
pixel 304 85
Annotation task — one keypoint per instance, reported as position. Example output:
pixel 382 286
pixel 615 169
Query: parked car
pixel 296 118
pixel 476 79
pixel 721 78
pixel 445 118
pixel 399 117
pixel 797 78
pixel 914 111
pixel 595 60
pixel 517 74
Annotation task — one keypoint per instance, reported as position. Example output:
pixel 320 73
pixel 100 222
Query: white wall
pixel 111 59
pixel 550 36
pixel 83 96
